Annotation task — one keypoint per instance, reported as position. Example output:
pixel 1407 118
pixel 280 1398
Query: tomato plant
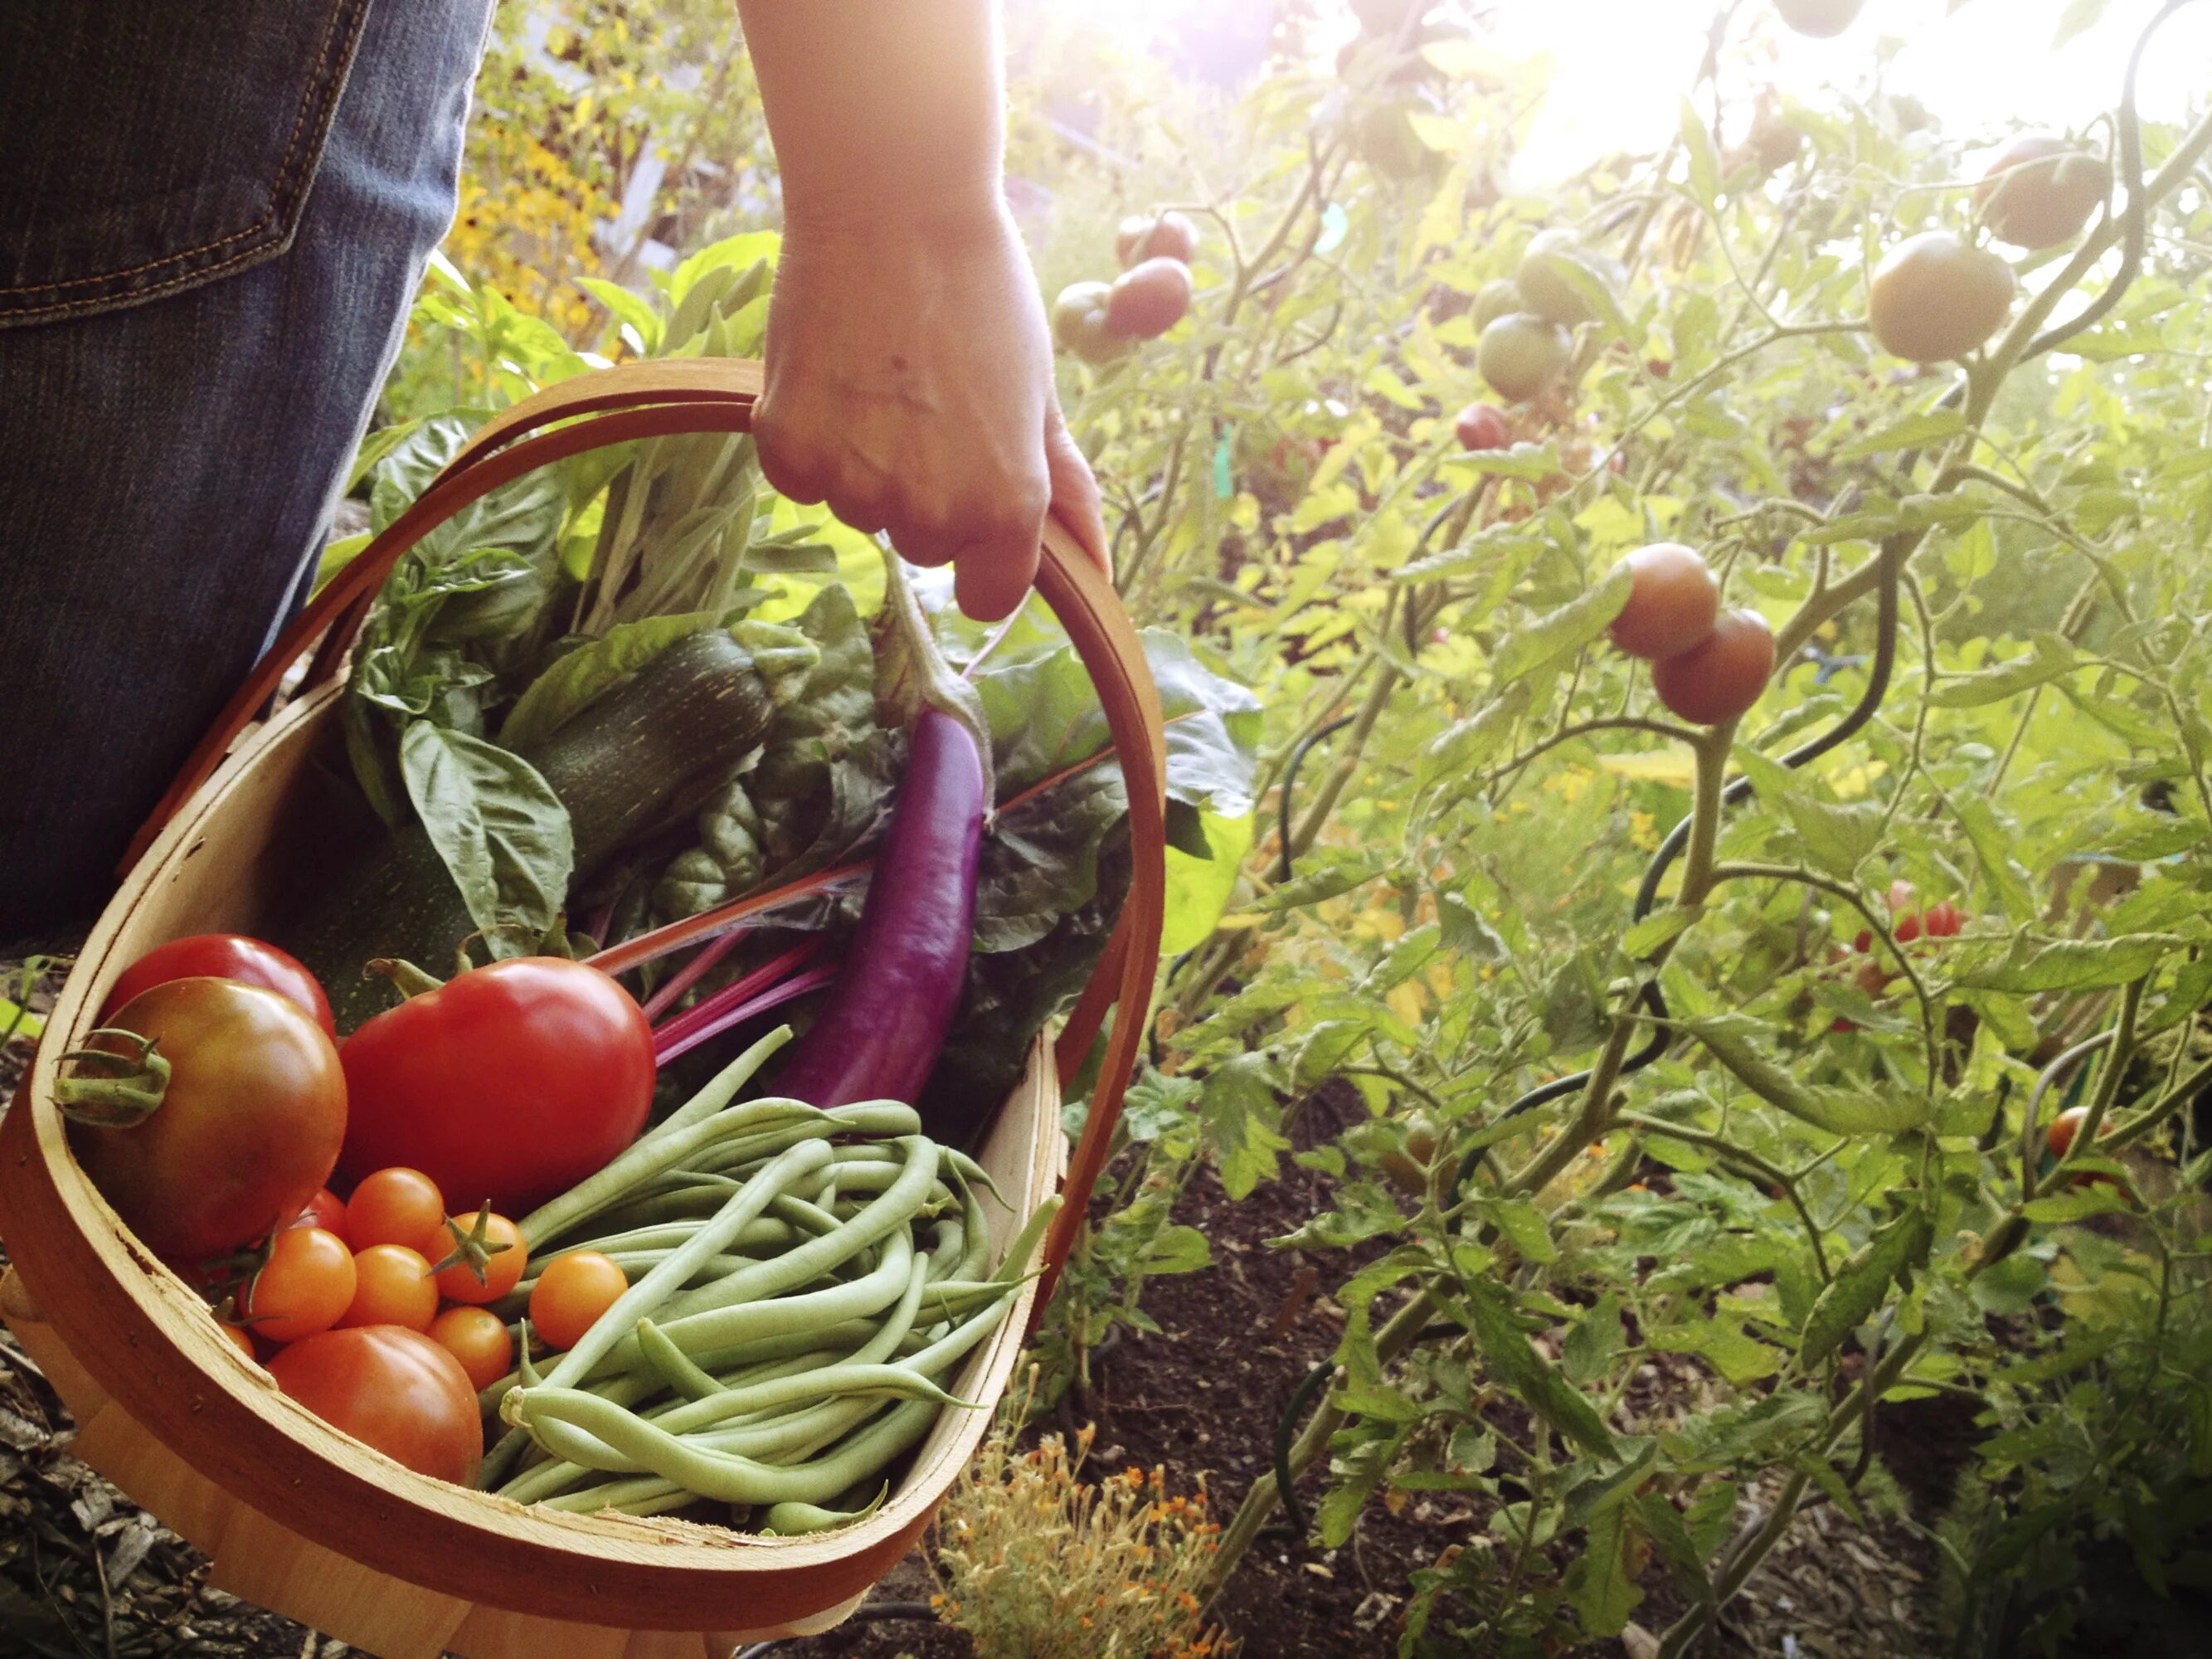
pixel 394 1389
pixel 1717 679
pixel 1673 604
pixel 208 1112
pixel 572 1291
pixel 511 1082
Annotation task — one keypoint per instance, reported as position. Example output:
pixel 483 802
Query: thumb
pixel 1074 491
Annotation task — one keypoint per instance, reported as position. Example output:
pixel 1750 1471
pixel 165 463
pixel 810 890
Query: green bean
pixel 719 1328
pixel 649 1293
pixel 670 1361
pixel 969 1168
pixel 650 1150
pixel 787 1519
pixel 884 1119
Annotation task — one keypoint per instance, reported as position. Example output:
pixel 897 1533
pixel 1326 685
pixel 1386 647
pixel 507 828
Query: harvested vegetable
pixel 390 1388
pixel 507 1085
pixel 208 1112
pixel 305 1286
pixel 224 956
pixel 391 1286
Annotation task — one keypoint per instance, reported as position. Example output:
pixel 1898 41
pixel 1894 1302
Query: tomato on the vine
pixel 1481 426
pixel 509 1085
pixel 478 1338
pixel 1673 601
pixel 392 1286
pixel 1521 355
pixel 1907 927
pixel 390 1388
pixel 1078 322
pixel 1821 19
pixel 1148 299
pixel 2060 1136
pixel 304 1287
pixel 393 1206
pixel 1720 677
pixel 571 1293
pixel 224 956
pixel 476 1258
pixel 1944 921
pixel 216 1125
pixel 1155 235
pixel 1496 298
pixel 1934 298
pixel 2040 190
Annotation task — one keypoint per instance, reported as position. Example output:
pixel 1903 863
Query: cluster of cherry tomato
pixel 1101 321
pixel 1707 666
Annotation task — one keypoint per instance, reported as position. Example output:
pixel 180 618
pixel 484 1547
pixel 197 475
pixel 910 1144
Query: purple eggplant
pixel 883 1025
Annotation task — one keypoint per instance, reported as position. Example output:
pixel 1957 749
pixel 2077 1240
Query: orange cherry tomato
pixel 325 1210
pixel 477 1258
pixel 478 1339
pixel 571 1293
pixel 393 1207
pixel 392 1286
pixel 240 1339
pixel 304 1287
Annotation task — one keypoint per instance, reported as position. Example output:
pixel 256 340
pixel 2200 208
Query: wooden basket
pixel 310 1523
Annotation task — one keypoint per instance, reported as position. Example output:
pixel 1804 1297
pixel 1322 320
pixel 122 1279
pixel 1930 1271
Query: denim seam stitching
pixel 315 88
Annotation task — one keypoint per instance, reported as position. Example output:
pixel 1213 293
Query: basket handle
pixel 705 395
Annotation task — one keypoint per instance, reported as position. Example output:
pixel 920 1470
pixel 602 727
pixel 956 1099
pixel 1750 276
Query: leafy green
pixel 501 829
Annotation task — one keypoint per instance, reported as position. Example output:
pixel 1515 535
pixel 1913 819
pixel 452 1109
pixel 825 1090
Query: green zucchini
pixel 643 756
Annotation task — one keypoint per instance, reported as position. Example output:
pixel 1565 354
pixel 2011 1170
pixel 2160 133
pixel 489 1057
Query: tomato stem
pixel 121 1101
pixel 406 978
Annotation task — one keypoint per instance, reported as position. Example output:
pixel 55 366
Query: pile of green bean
pixel 802 1282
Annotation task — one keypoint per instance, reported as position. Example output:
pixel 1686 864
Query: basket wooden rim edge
pixel 693 1573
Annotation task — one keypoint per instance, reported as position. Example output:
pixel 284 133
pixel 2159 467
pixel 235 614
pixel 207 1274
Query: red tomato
pixel 325 1210
pixel 224 956
pixel 394 1205
pixel 304 1287
pixel 1155 236
pixel 2063 1127
pixel 392 1286
pixel 394 1389
pixel 1944 921
pixel 1908 928
pixel 1863 942
pixel 510 1085
pixel 1673 601
pixel 1721 679
pixel 572 1291
pixel 478 1339
pixel 248 1125
pixel 1149 299
pixel 479 1258
pixel 1873 978
pixel 1480 426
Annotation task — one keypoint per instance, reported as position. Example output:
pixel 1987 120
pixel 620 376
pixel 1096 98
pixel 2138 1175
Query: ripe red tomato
pixel 1720 678
pixel 509 1085
pixel 1872 978
pixel 1149 299
pixel 1480 426
pixel 1864 942
pixel 1673 601
pixel 1934 298
pixel 248 1125
pixel 1519 355
pixel 1078 322
pixel 392 1286
pixel 1821 19
pixel 2063 1127
pixel 325 1210
pixel 571 1293
pixel 1944 921
pixel 479 1258
pixel 305 1286
pixel 1155 236
pixel 394 1389
pixel 1907 927
pixel 477 1337
pixel 224 956
pixel 394 1205
pixel 2041 190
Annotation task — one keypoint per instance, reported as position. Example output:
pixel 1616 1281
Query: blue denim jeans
pixel 213 218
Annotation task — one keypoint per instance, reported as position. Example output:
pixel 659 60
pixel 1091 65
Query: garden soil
pixel 84 1575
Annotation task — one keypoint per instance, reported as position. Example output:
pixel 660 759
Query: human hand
pixel 909 387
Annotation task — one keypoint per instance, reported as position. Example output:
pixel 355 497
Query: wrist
pixel 955 212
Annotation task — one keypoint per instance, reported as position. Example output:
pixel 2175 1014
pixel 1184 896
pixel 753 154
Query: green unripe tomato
pixel 1521 354
pixel 1078 322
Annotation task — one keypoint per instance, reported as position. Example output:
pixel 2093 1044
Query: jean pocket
pixel 151 148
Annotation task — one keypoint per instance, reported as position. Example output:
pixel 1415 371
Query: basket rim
pixel 156 1353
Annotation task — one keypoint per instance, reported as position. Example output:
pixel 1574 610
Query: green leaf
pixel 1914 432
pixel 1697 145
pixel 1237 1117
pixel 570 686
pixel 1993 852
pixel 2072 964
pixel 2050 658
pixel 1326 877
pixel 1838 838
pixel 1594 1342
pixel 1522 1225
pixel 1672 1543
pixel 1562 632
pixel 501 829
pixel 1599 1585
pixel 1472 743
pixel 1198 888
pixel 1839 1110
pixel 1648 935
pixel 2079 16
pixel 1516 1363
pixel 1851 1297
pixel 626 307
